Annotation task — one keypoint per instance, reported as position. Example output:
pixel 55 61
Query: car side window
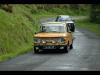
pixel 43 29
pixel 68 28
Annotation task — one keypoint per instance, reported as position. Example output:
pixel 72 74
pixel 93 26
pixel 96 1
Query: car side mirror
pixel 35 33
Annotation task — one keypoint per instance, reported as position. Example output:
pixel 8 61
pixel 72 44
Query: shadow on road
pixel 52 52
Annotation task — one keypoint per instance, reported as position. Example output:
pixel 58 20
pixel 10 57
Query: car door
pixel 70 36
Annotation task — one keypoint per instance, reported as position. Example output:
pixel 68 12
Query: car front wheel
pixel 71 46
pixel 36 51
pixel 66 49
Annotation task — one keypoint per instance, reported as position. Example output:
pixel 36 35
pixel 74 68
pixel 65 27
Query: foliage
pixel 95 13
pixel 93 27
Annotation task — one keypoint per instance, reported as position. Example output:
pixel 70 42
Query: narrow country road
pixel 83 57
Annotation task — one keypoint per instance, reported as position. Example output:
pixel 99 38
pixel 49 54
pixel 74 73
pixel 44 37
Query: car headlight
pixel 60 40
pixel 53 41
pixel 37 40
pixel 43 41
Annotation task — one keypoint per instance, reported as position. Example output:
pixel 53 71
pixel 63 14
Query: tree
pixel 7 7
pixel 95 13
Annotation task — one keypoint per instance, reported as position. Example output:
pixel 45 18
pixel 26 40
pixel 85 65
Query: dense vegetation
pixel 87 25
pixel 93 22
pixel 95 13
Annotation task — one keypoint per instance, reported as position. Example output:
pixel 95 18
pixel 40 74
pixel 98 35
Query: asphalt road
pixel 85 56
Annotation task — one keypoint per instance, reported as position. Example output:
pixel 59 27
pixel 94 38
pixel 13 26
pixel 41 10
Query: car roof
pixel 53 23
pixel 63 15
pixel 67 16
pixel 69 22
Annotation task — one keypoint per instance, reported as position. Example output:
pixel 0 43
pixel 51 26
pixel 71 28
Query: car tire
pixel 36 51
pixel 73 28
pixel 66 50
pixel 71 46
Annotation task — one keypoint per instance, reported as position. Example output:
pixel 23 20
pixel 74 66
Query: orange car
pixel 55 36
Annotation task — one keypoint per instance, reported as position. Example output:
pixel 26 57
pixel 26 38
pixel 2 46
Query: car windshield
pixel 64 19
pixel 58 29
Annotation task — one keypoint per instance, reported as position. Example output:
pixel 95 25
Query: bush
pixel 7 7
pixel 95 13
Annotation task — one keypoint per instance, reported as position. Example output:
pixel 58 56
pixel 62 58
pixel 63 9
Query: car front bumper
pixel 50 47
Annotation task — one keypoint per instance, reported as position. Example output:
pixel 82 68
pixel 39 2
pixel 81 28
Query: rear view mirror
pixel 37 32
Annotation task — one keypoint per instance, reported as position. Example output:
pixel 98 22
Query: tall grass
pixel 16 31
pixel 89 26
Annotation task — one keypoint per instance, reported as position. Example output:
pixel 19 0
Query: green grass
pixel 13 54
pixel 89 26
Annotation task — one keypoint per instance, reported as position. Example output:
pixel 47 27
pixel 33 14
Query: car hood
pixel 50 35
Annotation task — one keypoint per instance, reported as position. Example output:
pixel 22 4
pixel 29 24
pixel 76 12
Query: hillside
pixel 16 30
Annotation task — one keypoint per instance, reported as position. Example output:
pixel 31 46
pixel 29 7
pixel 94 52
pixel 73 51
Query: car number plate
pixel 49 47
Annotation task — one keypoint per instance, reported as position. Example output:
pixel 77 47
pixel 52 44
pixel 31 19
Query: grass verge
pixel 89 26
